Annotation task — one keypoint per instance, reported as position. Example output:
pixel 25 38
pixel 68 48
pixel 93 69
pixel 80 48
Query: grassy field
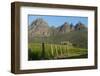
pixel 54 51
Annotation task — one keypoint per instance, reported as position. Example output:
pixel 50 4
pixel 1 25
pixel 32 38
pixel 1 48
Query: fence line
pixel 52 52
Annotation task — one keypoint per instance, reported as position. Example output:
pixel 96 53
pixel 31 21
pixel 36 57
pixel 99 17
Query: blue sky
pixel 58 20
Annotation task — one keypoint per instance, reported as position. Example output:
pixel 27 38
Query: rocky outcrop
pixel 80 26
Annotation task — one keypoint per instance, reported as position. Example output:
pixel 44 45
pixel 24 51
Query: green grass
pixel 54 51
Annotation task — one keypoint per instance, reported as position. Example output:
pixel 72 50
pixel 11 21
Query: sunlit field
pixel 54 51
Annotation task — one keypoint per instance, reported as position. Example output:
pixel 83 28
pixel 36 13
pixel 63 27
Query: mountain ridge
pixel 40 27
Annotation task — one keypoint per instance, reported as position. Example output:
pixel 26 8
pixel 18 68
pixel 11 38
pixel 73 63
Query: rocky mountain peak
pixel 64 28
pixel 39 27
pixel 72 27
pixel 39 22
pixel 80 26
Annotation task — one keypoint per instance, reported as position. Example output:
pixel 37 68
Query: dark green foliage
pixel 34 52
pixel 77 38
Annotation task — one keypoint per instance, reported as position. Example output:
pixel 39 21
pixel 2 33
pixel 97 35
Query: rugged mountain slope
pixel 39 27
pixel 80 26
